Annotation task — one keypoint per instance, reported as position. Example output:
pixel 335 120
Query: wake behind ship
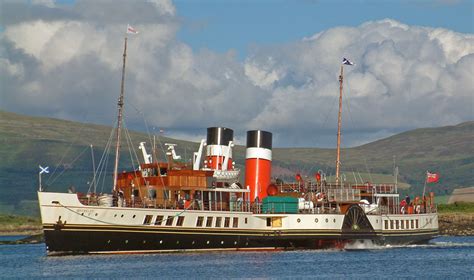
pixel 172 206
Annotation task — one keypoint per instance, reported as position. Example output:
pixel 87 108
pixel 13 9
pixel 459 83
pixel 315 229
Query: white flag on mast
pixel 131 30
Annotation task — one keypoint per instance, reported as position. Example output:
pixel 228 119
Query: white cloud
pixel 69 66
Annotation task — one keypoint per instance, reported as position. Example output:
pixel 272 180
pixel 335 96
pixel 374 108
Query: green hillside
pixel 28 141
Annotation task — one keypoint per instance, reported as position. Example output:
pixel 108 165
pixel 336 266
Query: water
pixel 12 237
pixel 443 258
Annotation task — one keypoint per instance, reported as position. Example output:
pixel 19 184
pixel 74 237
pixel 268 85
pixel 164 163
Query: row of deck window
pixel 217 222
pixel 168 221
pixel 401 224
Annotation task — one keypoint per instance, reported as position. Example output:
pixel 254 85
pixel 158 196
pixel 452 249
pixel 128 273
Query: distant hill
pixel 26 142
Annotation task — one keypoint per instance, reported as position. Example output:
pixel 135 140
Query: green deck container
pixel 280 205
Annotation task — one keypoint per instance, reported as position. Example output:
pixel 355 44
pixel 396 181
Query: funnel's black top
pixel 259 139
pixel 219 136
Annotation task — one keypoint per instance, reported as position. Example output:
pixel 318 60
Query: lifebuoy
pixel 320 196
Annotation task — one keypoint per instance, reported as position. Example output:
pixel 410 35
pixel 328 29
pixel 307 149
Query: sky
pixel 270 65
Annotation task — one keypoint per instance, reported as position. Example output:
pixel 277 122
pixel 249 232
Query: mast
pixel 119 117
pixel 339 117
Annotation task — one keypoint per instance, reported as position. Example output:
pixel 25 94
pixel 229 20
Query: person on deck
pixel 407 199
pixel 403 205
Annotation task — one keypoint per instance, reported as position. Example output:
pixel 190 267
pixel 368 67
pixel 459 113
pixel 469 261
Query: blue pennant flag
pixel 347 61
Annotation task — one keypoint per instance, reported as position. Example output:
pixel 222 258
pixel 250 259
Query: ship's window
pixel 218 221
pixel 416 223
pixel 180 221
pixel 147 219
pixel 386 224
pixel 209 222
pixel 199 221
pixel 276 221
pixel 412 224
pixel 269 222
pixel 227 222
pixel 397 224
pixel 235 222
pixel 316 220
pixel 159 220
pixel 402 224
pixel 391 224
pixel 169 220
pixel 327 220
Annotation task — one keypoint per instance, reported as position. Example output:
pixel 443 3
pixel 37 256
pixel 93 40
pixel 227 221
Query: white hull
pixel 66 220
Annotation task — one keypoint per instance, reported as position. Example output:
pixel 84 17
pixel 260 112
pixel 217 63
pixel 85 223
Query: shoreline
pixel 456 224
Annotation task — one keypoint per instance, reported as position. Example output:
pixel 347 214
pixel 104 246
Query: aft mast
pixel 339 117
pixel 119 118
pixel 345 61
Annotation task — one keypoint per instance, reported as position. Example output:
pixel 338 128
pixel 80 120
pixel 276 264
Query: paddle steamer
pixel 171 206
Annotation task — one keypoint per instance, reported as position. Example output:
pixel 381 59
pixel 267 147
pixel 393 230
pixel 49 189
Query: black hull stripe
pixel 230 231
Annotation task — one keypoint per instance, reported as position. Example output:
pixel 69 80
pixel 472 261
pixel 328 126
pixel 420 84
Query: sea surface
pixel 442 258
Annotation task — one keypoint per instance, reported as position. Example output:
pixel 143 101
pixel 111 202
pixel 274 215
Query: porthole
pixel 246 243
pixel 193 242
pixel 316 220
pixel 161 241
pixel 327 220
pixel 108 241
pixel 96 214
pixel 235 242
pixel 134 216
pixel 115 215
pixel 207 242
pixel 144 241
pixel 121 216
pixel 82 214
pixel 126 241
pixel 222 242
pixel 298 220
pixel 177 242
pixel 334 220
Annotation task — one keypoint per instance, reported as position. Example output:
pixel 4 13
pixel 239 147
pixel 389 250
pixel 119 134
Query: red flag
pixel 131 30
pixel 432 177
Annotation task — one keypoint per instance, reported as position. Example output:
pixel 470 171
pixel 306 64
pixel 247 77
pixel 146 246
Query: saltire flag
pixel 432 177
pixel 44 169
pixel 131 30
pixel 347 61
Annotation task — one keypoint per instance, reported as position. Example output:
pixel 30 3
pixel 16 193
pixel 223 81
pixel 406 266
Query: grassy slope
pixel 28 141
